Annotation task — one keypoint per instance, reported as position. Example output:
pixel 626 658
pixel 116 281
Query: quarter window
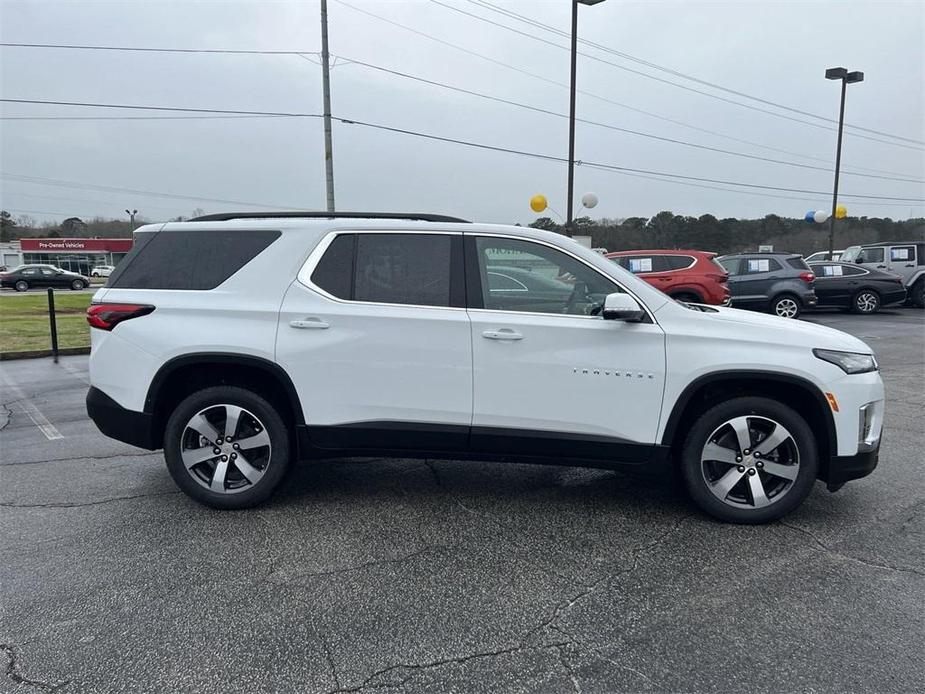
pixel 548 280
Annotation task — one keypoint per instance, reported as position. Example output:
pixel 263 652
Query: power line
pixel 228 117
pixel 162 108
pixel 115 189
pixel 627 56
pixel 611 167
pixel 669 82
pixel 432 137
pixel 136 49
pixel 608 126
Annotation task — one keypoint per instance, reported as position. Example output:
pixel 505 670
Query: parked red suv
pixel 691 276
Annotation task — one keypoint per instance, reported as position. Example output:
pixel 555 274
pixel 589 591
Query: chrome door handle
pixel 315 323
pixel 503 334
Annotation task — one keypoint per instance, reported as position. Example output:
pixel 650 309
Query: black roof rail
pixel 310 214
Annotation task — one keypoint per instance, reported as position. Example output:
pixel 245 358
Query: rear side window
pixel 754 266
pixel 797 263
pixel 415 269
pixel 902 253
pixel 189 259
pixel 677 262
pixel 641 264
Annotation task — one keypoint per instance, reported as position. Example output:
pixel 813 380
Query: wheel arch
pixel 796 392
pixel 188 373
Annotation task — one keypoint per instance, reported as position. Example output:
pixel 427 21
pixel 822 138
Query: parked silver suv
pixel 903 258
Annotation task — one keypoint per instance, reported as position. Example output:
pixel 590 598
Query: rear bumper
pixel 135 428
pixel 851 467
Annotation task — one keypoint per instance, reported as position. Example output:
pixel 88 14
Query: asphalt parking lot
pixel 448 576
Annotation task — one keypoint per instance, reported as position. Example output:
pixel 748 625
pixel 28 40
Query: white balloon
pixel 820 216
pixel 589 200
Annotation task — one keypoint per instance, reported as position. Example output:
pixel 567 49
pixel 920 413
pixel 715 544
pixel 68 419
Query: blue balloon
pixel 809 216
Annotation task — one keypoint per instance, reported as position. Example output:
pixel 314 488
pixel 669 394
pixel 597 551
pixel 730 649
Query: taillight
pixel 807 277
pixel 108 316
pixel 722 279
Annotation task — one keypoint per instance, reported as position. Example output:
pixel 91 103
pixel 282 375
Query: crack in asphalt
pixel 14 674
pixel 849 557
pixel 330 659
pixel 563 659
pixel 64 504
pixel 8 413
pixel 417 667
pixel 84 457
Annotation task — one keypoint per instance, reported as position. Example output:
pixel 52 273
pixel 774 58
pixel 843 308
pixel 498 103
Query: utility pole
pixel 839 73
pixel 131 214
pixel 326 87
pixel 569 222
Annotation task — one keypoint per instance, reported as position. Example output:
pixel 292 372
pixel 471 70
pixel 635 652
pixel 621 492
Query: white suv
pixel 239 343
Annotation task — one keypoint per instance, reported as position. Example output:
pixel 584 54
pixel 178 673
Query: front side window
pixel 387 268
pixel 549 280
pixel 871 255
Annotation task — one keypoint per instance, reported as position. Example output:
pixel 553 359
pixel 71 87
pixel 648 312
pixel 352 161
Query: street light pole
pixel 131 214
pixel 839 73
pixel 326 95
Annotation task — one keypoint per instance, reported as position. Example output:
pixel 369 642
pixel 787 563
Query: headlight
pixel 849 362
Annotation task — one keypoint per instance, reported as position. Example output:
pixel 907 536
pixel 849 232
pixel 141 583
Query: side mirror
pixel 859 260
pixel 59 272
pixel 619 306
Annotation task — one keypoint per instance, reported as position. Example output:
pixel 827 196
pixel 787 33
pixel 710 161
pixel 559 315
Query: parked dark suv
pixel 779 283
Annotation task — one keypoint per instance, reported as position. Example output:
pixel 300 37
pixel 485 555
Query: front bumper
pixel 135 428
pixel 845 468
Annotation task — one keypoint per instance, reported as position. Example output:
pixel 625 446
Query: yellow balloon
pixel 538 203
pixel 841 212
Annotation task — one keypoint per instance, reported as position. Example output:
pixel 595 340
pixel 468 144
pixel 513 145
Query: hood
pixel 768 328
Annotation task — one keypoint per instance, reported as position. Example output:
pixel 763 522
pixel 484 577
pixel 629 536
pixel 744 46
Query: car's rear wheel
pixel 917 294
pixel 866 301
pixel 226 447
pixel 786 306
pixel 78 284
pixel 749 460
pixel 21 285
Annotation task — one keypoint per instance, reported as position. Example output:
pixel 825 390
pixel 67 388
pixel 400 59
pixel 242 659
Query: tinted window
pixel 192 259
pixel 30 271
pixel 853 270
pixel 797 263
pixel 755 266
pixel 871 255
pixel 334 272
pixel 829 270
pixel 677 262
pixel 730 265
pixel 553 282
pixel 499 281
pixel 403 269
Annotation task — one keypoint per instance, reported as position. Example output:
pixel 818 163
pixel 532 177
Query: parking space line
pixel 41 421
pixel 75 372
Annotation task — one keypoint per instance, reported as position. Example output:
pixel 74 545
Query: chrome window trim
pixel 527 239
pixel 523 287
pixel 308 267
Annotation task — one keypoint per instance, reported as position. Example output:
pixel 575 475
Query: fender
pixel 734 375
pixel 272 369
pixel 919 274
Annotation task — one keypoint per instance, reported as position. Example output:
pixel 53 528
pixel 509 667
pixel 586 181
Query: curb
pixel 37 353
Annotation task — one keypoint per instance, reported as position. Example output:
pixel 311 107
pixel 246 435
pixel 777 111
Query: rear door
pixel 758 274
pixel 376 339
pixel 901 261
pixel 833 283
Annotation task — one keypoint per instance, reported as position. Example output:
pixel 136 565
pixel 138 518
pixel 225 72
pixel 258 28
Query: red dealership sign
pixel 75 245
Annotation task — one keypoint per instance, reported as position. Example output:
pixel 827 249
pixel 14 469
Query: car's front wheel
pixel 866 301
pixel 78 284
pixel 749 460
pixel 917 294
pixel 786 306
pixel 227 447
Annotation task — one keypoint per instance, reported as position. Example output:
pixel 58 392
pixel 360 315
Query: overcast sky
pixel 774 50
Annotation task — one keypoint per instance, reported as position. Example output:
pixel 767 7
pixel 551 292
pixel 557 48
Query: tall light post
pixel 839 73
pixel 569 226
pixel 131 214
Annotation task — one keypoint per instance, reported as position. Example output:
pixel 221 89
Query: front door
pixel 376 338
pixel 551 377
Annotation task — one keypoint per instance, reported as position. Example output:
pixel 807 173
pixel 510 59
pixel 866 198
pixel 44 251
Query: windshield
pixel 850 254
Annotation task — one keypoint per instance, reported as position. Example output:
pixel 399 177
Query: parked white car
pixel 277 337
pixel 102 270
pixel 820 256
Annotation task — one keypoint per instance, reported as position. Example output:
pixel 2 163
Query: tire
pixel 21 285
pixel 77 285
pixel 917 294
pixel 723 481
pixel 258 422
pixel 94 274
pixel 866 301
pixel 687 297
pixel 786 306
